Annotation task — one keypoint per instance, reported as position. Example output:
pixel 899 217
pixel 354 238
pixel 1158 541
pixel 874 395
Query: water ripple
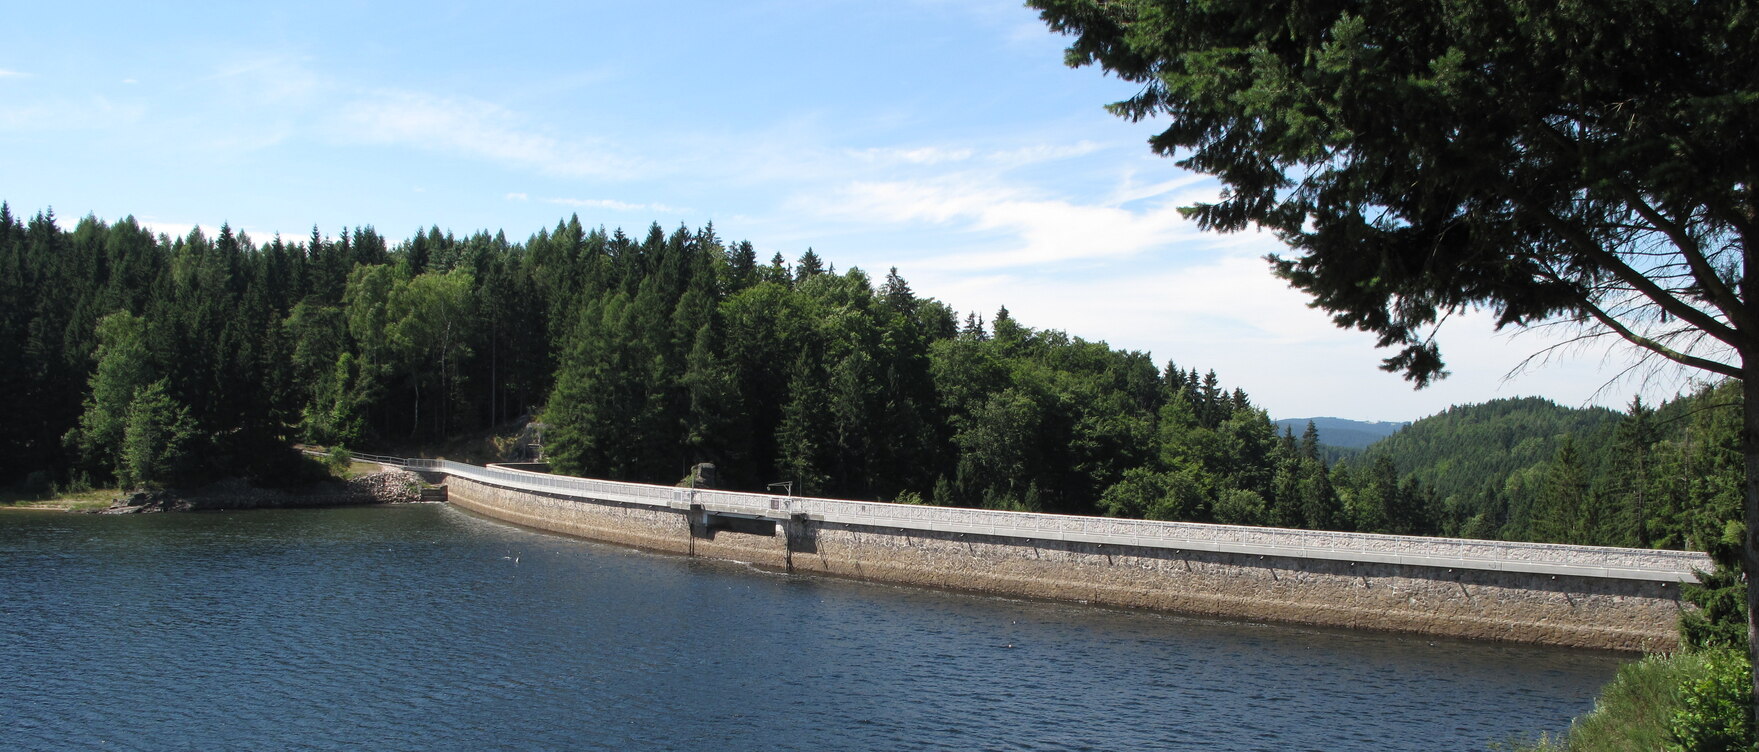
pixel 423 627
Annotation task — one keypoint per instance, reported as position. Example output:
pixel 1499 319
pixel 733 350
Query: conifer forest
pixel 140 359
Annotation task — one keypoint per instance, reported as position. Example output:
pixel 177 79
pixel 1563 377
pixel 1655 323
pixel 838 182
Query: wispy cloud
pixel 1039 153
pixel 1188 187
pixel 921 155
pixel 4 73
pixel 71 114
pixel 1148 305
pixel 518 197
pixel 475 128
pixel 613 205
pixel 1023 227
pixel 928 156
pixel 270 78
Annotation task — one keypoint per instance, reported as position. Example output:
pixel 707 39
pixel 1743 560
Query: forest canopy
pixel 166 360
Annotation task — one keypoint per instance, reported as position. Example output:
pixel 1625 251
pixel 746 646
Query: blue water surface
pixel 422 627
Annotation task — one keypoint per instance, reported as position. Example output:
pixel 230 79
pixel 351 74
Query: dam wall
pixel 1579 596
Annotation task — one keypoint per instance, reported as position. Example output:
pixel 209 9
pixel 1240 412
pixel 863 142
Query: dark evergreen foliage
pixel 1587 164
pixel 646 358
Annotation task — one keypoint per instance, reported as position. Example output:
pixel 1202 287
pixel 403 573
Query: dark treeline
pixel 148 359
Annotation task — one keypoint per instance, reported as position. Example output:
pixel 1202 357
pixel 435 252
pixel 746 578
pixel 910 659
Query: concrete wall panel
pixel 1580 611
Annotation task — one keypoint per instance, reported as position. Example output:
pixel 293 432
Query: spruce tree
pixel 1564 498
pixel 810 266
pixel 1634 440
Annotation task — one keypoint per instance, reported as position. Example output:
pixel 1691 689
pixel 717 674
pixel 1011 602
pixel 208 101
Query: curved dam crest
pixel 1576 596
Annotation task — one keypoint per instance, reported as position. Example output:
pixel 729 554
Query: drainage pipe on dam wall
pixel 1580 596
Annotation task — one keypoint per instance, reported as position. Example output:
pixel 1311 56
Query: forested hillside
pixel 145 359
pixel 1452 452
pixel 1343 432
pixel 1528 469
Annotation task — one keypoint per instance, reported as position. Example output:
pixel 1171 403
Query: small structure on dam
pixel 1582 596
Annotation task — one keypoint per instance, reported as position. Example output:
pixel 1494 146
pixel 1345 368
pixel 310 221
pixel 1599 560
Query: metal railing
pixel 380 459
pixel 376 459
pixel 1366 548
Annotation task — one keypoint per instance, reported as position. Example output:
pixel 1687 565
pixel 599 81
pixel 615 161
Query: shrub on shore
pixel 338 461
pixel 1690 702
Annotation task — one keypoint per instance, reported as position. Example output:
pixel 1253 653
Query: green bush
pixel 159 439
pixel 1716 706
pixel 338 460
pixel 1634 711
pixel 909 497
pixel 77 482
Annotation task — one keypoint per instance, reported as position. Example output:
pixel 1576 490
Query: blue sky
pixel 944 138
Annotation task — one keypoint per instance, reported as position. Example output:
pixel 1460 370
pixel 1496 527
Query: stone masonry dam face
pixel 1578 596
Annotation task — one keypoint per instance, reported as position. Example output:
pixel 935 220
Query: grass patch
pixel 354 469
pixel 357 469
pixel 67 501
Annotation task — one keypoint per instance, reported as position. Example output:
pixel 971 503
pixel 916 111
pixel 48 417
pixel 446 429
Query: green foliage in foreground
pixel 1696 701
pixel 1691 702
pixel 1716 706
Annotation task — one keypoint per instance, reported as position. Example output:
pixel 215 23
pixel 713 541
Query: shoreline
pixel 389 487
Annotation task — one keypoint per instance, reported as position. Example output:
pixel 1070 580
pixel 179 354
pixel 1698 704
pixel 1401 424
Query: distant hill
pixel 1343 432
pixel 1473 447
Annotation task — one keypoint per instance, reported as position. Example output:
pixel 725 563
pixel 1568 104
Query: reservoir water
pixel 423 627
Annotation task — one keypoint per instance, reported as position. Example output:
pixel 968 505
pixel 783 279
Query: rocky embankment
pixel 389 487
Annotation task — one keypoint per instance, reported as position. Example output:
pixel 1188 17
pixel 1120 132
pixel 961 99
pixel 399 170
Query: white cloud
pixel 921 155
pixel 179 230
pixel 518 197
pixel 4 73
pixel 474 128
pixel 1035 230
pixel 68 114
pixel 614 205
pixel 928 156
pixel 175 230
pixel 277 80
pixel 1038 153
pixel 1188 186
pixel 1232 300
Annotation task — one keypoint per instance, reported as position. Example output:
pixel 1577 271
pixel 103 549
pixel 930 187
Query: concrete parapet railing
pixel 1445 553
